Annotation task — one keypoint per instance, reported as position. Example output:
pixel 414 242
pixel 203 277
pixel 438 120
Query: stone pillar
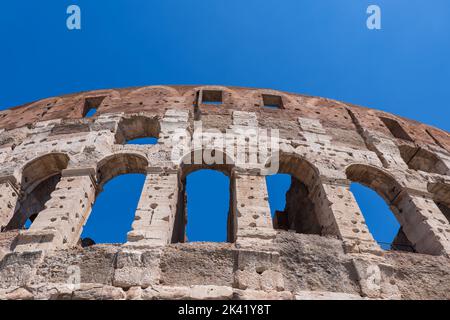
pixel 252 217
pixel 9 194
pixel 258 266
pixel 60 224
pixel 155 215
pixel 423 223
pixel 341 215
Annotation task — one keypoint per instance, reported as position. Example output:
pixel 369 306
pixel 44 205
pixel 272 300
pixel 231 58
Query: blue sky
pixel 316 47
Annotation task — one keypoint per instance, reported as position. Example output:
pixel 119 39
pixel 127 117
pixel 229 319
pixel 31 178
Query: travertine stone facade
pixel 54 162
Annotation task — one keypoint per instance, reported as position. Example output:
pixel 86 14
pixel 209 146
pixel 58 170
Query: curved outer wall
pixel 54 162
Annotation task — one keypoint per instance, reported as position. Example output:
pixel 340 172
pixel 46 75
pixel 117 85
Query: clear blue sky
pixel 316 47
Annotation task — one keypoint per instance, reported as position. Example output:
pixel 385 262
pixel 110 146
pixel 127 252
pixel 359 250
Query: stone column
pixel 341 215
pixel 252 217
pixel 423 222
pixel 9 194
pixel 155 215
pixel 60 224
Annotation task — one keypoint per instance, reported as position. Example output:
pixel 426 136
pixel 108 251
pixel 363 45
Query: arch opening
pixel 380 220
pixel 291 206
pixel 39 179
pixel 421 159
pixel 120 178
pixel 297 182
pixel 376 193
pixel 118 164
pixel 205 189
pixel 138 130
pixel 113 211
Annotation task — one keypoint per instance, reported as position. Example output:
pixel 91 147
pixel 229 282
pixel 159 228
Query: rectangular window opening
pixel 396 129
pixel 91 106
pixel 212 97
pixel 272 101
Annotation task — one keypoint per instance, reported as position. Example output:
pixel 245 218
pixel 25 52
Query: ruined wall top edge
pixel 155 100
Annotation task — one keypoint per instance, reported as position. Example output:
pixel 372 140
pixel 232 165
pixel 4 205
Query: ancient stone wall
pixel 54 162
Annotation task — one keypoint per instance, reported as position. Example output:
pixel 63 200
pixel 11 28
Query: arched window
pixel 295 182
pixel 296 210
pixel 121 178
pixel 377 194
pixel 39 180
pixel 113 211
pixel 35 201
pixel 421 159
pixel 380 220
pixel 204 212
pixel 138 130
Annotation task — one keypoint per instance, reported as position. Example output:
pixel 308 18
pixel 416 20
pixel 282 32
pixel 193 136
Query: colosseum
pixel 54 161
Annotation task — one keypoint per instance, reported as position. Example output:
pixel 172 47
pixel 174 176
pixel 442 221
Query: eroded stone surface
pixel 54 162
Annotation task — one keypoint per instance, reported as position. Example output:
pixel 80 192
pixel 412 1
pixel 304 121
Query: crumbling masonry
pixel 54 162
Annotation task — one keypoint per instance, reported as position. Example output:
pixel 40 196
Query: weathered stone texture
pixel 315 263
pixel 54 162
pixel 197 264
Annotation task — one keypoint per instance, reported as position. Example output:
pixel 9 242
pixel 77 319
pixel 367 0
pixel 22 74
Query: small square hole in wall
pixel 91 105
pixel 212 97
pixel 272 101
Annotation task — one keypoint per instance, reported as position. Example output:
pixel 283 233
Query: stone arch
pixel 389 189
pixel 303 212
pixel 187 166
pixel 108 168
pixel 137 126
pixel 418 158
pixel 299 167
pixel 118 164
pixel 39 178
pixel 41 168
pixel 410 208
pixel 188 162
pixel 376 179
